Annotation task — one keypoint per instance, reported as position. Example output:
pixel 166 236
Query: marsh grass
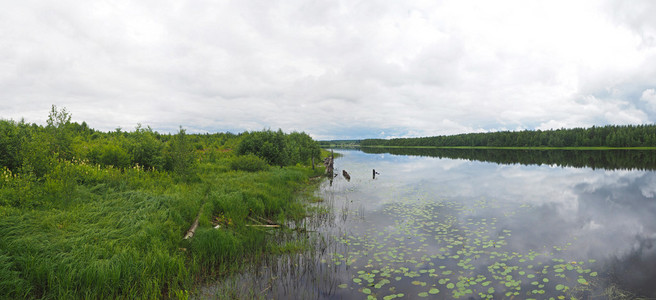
pixel 87 231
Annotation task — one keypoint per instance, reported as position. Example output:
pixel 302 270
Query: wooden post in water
pixel 346 175
pixel 328 162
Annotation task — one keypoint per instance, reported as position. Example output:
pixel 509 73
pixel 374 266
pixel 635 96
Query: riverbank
pixel 93 232
pixel 106 215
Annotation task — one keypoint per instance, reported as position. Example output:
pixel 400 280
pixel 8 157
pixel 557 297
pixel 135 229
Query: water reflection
pixel 595 159
pixel 597 228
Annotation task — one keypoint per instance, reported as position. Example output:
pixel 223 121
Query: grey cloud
pixel 638 16
pixel 406 68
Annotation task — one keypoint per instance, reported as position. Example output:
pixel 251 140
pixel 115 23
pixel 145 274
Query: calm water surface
pixel 441 228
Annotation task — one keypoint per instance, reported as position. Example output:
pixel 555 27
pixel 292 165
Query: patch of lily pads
pixel 433 248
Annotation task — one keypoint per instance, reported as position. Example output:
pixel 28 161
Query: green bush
pixel 10 145
pixel 145 149
pixel 112 155
pixel 180 156
pixel 248 163
pixel 269 145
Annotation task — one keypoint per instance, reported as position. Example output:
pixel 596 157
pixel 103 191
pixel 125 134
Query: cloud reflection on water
pixel 606 215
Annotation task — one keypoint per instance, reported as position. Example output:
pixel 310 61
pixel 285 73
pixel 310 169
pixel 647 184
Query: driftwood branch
pixel 267 221
pixel 194 226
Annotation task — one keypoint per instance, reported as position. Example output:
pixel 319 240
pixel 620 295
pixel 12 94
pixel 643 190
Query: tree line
pixel 609 160
pixel 606 136
pixel 36 149
pixel 340 143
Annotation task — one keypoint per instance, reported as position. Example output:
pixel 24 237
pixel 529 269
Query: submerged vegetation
pixel 90 214
pixel 606 136
pixel 439 249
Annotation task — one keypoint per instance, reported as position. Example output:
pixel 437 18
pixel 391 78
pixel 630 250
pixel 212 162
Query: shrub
pixel 112 155
pixel 268 145
pixel 10 145
pixel 145 149
pixel 248 163
pixel 180 156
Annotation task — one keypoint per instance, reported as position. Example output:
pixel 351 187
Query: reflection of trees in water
pixel 595 159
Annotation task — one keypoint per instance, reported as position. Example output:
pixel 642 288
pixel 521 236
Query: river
pixel 472 225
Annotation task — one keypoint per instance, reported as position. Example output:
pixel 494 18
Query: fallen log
pixel 267 221
pixel 194 226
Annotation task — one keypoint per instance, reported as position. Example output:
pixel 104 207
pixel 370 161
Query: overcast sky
pixel 334 69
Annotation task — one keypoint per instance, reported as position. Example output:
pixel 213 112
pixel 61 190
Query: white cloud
pixel 649 97
pixel 406 68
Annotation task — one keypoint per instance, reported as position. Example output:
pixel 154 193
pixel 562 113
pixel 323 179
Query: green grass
pixel 89 232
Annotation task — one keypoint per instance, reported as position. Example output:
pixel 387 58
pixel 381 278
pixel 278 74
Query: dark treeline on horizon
pixel 610 160
pixel 340 143
pixel 606 136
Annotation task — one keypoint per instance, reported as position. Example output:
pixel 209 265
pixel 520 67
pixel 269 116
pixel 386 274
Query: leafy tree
pixel 10 145
pixel 114 155
pixel 144 148
pixel 58 126
pixel 302 148
pixel 268 145
pixel 180 155
pixel 36 156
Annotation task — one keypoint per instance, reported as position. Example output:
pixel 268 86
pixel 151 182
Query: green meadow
pixel 103 215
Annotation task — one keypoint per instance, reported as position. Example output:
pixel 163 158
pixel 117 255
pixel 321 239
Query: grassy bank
pixel 92 232
pixel 86 214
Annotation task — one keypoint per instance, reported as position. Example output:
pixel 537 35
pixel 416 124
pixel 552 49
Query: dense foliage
pixel 89 214
pixel 278 148
pixel 249 163
pixel 607 136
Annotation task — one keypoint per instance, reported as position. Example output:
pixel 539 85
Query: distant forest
pixel 340 143
pixel 609 160
pixel 606 136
